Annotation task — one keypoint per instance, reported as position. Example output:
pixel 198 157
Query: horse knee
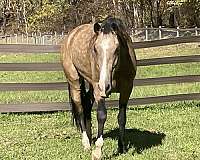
pixel 76 97
pixel 122 120
pixel 101 111
pixel 101 116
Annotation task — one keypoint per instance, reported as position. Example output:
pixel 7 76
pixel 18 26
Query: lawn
pixel 162 131
pixel 169 131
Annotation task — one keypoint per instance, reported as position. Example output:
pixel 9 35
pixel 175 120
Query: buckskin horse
pixel 101 54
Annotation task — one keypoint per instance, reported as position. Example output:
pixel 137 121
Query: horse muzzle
pixel 105 90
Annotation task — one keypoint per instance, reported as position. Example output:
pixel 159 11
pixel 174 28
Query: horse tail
pixel 87 100
pixel 84 98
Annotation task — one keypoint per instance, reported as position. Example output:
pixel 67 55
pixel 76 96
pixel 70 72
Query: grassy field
pixel 162 131
pixel 154 132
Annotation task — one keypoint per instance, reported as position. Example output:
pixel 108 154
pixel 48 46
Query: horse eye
pixel 117 50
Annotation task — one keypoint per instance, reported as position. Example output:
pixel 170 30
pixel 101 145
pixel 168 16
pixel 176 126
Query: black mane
pixel 111 24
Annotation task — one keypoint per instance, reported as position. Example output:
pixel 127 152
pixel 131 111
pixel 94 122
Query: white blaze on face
pixel 104 68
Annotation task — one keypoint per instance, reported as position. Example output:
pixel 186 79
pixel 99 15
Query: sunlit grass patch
pixel 17 97
pixel 169 51
pixel 154 132
pixel 30 57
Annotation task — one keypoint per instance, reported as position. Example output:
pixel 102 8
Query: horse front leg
pixel 101 118
pixel 75 97
pixel 122 124
pixel 123 101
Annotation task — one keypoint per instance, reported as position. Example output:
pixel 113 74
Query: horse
pixel 102 55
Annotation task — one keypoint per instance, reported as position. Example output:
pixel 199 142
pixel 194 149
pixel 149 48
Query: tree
pixel 190 12
pixel 54 15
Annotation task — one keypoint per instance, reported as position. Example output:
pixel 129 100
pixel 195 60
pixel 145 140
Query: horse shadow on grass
pixel 137 139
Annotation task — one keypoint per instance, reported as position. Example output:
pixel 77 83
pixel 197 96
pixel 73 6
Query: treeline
pixel 58 15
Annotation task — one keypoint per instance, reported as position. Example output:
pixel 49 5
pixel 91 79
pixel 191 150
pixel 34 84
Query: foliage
pixel 56 15
pixel 46 19
pixel 191 9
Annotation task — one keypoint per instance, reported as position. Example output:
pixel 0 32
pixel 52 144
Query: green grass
pixel 154 132
pixel 168 70
pixel 26 77
pixel 163 131
pixel 17 58
pixel 167 51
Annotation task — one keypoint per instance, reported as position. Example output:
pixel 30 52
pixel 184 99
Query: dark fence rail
pixel 63 85
pixel 164 42
pixel 16 48
pixel 47 107
pixel 28 48
pixel 58 67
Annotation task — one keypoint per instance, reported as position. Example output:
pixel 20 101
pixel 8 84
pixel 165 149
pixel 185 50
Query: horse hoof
pixel 85 142
pixel 86 146
pixel 122 150
pixel 96 155
pixel 86 149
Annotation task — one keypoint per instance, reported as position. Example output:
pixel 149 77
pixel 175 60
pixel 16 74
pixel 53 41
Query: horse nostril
pixel 108 89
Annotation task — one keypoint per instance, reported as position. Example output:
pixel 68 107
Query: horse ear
pixel 97 27
pixel 114 27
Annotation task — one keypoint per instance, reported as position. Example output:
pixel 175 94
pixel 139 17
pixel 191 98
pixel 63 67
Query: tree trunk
pixel 172 20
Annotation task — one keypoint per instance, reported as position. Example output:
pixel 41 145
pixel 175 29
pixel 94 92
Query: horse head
pixel 106 55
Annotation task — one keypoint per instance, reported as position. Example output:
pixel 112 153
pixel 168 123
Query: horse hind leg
pixel 88 117
pixel 78 115
pixel 75 96
pixel 87 102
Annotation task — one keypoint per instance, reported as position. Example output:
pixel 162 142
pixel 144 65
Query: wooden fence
pixel 27 48
pixel 33 38
pixel 149 33
pixel 138 34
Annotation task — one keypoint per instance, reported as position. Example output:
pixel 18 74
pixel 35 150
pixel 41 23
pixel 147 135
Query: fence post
pixel 36 38
pixel 32 37
pixel 6 39
pixel 27 40
pixel 55 37
pixel 51 39
pixel 160 32
pixel 177 32
pixel 146 33
pixel 22 38
pixel 196 31
pixel 43 39
pixel 10 39
pixel 40 35
pixel 16 39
